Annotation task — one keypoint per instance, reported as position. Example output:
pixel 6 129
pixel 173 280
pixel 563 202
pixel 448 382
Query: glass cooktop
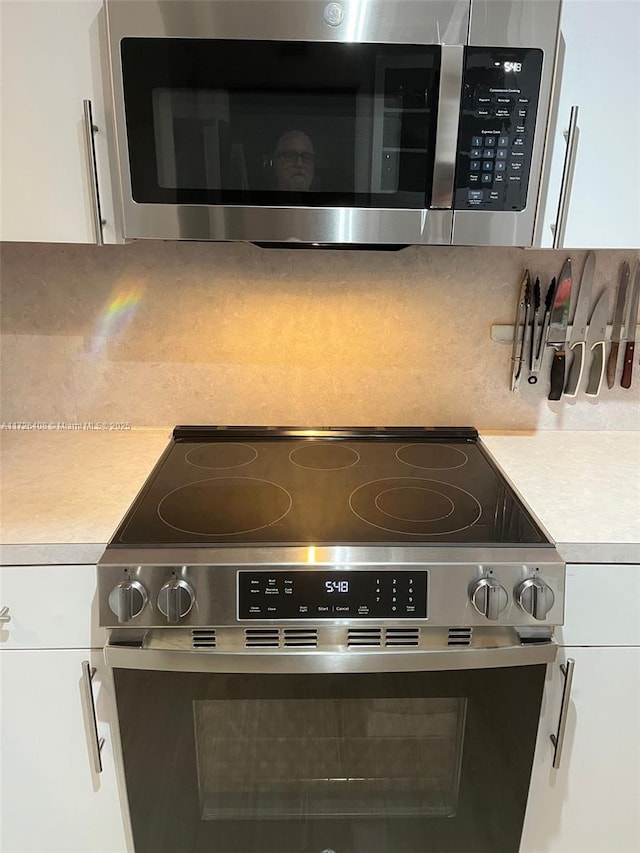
pixel 355 486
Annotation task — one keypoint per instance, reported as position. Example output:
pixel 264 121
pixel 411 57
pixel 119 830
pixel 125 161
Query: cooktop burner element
pixel 436 456
pixel 324 457
pixel 325 488
pixel 224 506
pixel 219 454
pixel 415 507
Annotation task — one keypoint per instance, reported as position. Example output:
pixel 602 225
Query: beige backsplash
pixel 162 333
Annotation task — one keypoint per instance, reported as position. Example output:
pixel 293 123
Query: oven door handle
pixel 444 165
pixel 276 661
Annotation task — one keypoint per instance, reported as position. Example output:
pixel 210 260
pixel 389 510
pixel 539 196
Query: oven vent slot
pixel 259 638
pixel 203 638
pixel 402 637
pixel 364 637
pixel 307 637
pixel 460 636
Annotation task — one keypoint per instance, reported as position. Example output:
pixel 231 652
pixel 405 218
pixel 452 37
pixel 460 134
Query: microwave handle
pixel 444 165
pixel 89 131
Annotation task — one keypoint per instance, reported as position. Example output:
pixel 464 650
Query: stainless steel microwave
pixel 353 123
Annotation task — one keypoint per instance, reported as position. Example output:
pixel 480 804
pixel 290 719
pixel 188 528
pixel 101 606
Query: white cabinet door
pixel 601 76
pixel 50 607
pixel 52 800
pixel 590 804
pixel 50 64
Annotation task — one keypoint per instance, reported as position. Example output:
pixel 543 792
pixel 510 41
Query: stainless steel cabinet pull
pixel 4 615
pixel 87 694
pixel 558 739
pixel 567 177
pixel 89 130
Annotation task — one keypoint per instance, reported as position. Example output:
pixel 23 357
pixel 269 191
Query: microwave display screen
pixel 328 124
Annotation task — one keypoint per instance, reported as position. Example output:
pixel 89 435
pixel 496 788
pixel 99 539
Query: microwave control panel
pixel 497 123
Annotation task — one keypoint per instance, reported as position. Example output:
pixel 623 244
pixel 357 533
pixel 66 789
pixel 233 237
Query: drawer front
pixel 49 607
pixel 602 606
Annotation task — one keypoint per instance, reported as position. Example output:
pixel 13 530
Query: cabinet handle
pixel 567 178
pixel 87 694
pixel 89 131
pixel 558 739
pixel 4 615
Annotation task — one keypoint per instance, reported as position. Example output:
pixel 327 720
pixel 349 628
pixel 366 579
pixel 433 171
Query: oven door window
pixel 360 763
pixel 280 123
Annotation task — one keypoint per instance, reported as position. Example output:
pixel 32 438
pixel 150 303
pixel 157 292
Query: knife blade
pixel 630 330
pixel 612 361
pixel 557 334
pixel 597 342
pixel 520 324
pixel 577 341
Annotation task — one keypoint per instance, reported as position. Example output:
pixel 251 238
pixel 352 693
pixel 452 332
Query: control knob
pixel 489 597
pixel 128 599
pixel 175 599
pixel 535 597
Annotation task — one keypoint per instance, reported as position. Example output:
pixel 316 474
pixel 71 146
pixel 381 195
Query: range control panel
pixel 317 594
pixel 497 123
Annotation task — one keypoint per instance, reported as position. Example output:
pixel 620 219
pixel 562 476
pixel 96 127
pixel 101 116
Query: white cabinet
pixel 53 800
pixel 590 803
pixel 50 65
pixel 600 76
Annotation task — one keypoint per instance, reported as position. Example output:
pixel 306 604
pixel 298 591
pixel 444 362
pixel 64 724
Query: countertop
pixel 62 493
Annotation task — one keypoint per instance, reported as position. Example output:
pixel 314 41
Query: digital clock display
pixel 336 586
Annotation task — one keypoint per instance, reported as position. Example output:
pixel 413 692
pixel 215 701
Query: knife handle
pixel 612 363
pixel 628 364
pixel 575 371
pixel 557 375
pixel 596 375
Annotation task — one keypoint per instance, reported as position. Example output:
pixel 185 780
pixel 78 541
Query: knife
pixel 537 361
pixel 632 321
pixel 577 341
pixel 557 334
pixel 521 323
pixel 612 362
pixel 596 341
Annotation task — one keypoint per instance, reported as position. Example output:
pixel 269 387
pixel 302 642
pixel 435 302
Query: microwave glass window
pixel 348 125
pixel 376 758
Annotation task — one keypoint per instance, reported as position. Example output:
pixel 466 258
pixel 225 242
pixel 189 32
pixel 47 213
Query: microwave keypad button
pixel 503 140
pixel 482 112
pixel 487 166
pixel 486 178
pixel 488 152
pixel 515 179
pixel 476 141
pixel 501 112
pixel 474 178
pixel 475 152
pixel 498 178
pixel 489 140
pixel 501 153
pixel 475 195
pixel 522 113
pixel 500 165
pixel 522 100
pixel 520 128
pixel 474 165
pixel 518 142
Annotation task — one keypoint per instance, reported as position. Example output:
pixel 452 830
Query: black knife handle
pixel 612 364
pixel 628 364
pixel 557 375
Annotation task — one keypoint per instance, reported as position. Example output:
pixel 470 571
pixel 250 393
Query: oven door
pixel 347 762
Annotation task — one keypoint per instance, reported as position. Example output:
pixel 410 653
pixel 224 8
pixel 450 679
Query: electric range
pixel 333 535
